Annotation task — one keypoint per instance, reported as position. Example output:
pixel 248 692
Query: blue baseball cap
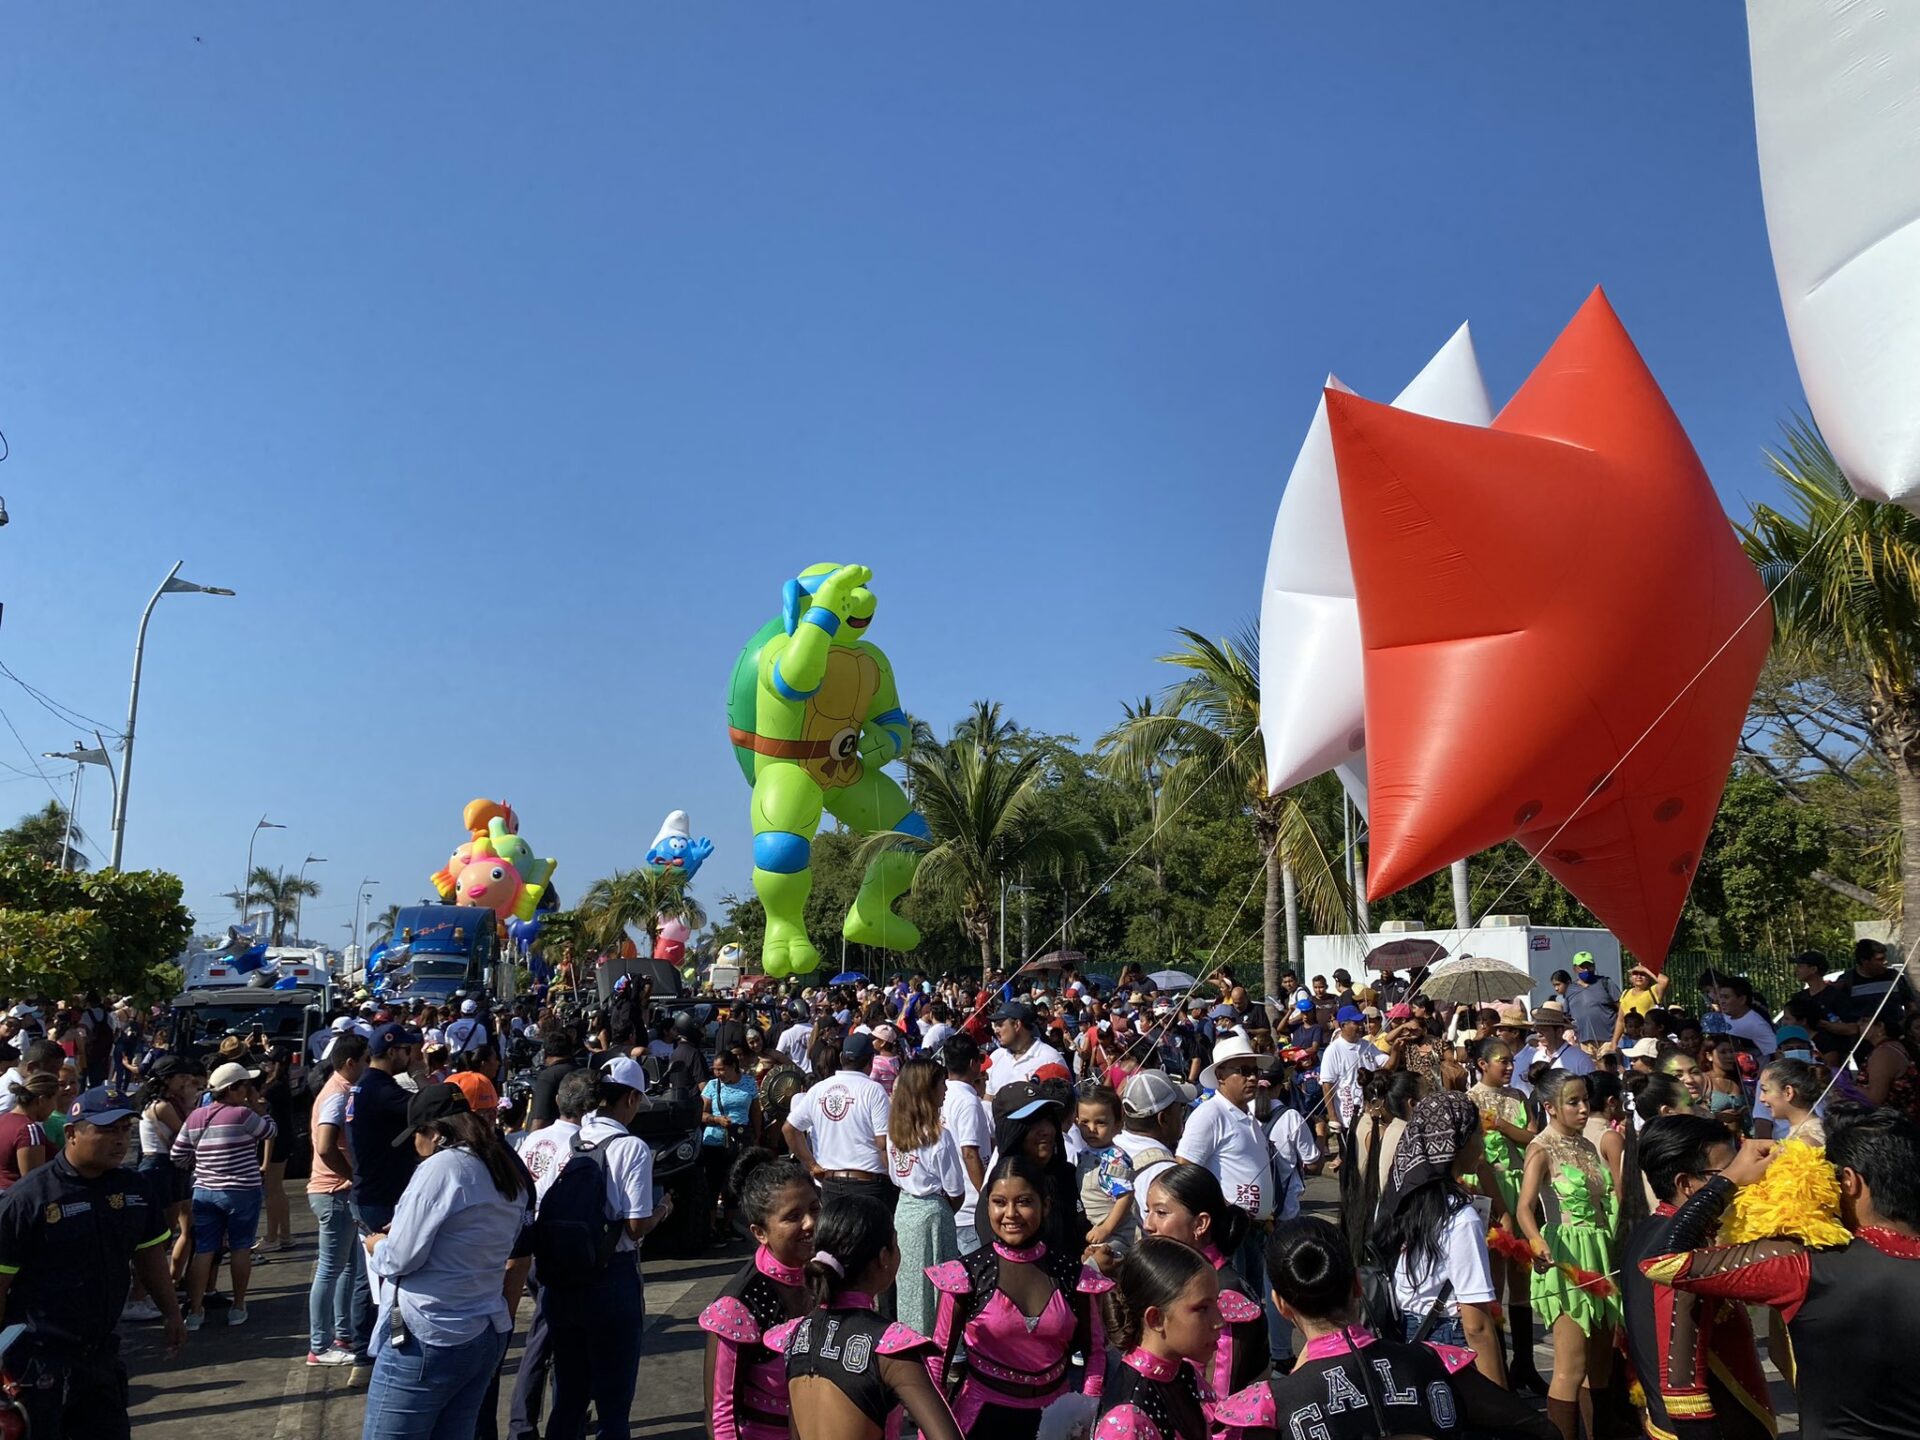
pixel 1223 1012
pixel 393 1037
pixel 857 1047
pixel 1350 1015
pixel 99 1106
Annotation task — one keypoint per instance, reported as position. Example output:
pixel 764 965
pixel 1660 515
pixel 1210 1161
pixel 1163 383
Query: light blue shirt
pixel 444 1256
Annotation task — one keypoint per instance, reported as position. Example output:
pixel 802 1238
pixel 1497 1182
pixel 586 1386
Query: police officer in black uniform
pixel 70 1234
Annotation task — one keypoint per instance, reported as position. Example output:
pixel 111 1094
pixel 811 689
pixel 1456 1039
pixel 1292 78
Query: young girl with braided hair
pixel 746 1379
pixel 1567 1176
pixel 1167 1327
pixel 850 1374
pixel 1022 1309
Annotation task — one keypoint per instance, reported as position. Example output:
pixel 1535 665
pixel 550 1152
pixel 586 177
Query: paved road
pixel 252 1383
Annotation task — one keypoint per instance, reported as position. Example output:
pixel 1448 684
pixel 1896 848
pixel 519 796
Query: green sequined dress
pixel 1582 1215
pixel 1507 1160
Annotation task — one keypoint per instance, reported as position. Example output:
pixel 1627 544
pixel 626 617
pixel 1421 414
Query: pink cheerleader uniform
pixel 1155 1399
pixel 1016 1363
pixel 749 1375
pixel 1240 1357
pixel 839 1344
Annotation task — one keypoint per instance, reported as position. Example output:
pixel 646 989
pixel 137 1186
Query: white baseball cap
pixel 467 1007
pixel 625 1070
pixel 1152 1091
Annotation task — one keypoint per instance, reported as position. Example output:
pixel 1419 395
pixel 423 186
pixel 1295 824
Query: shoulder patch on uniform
pixel 1237 1309
pixel 1092 1282
pixel 950 1277
pixel 1251 1407
pixel 1455 1358
pixel 900 1339
pixel 1126 1422
pixel 781 1336
pixel 730 1319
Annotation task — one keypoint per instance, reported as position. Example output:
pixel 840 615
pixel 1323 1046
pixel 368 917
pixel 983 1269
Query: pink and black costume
pixel 1016 1364
pixel 1415 1389
pixel 1154 1399
pixel 1240 1358
pixel 750 1377
pixel 844 1343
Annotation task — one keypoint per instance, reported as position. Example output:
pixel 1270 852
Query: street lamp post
pixel 80 756
pixel 172 585
pixel 246 882
pixel 298 898
pixel 360 897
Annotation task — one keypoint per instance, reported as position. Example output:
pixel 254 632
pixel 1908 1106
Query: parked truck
pixel 437 950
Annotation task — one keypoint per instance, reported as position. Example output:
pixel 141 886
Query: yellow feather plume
pixel 1797 1199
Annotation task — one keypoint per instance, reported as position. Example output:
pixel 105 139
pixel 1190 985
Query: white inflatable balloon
pixel 1312 695
pixel 1836 110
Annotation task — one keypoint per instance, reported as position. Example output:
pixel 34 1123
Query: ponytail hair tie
pixel 831 1261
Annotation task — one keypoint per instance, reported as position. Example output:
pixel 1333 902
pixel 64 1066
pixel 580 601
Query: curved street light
pixel 172 585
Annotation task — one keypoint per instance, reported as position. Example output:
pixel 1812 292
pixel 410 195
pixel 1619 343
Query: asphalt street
pixel 252 1382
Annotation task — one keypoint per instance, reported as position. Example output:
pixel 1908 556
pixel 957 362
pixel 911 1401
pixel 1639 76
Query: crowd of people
pixel 988 1209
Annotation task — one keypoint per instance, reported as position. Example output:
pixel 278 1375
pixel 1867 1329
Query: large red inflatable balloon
pixel 1533 597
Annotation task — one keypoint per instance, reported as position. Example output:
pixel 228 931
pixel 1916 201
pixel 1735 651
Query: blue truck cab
pixel 438 949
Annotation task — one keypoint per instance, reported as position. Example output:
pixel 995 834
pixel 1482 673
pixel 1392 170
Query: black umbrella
pixel 1406 955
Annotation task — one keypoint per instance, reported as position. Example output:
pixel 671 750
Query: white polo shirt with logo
pixel 845 1121
pixel 1004 1067
pixel 1230 1143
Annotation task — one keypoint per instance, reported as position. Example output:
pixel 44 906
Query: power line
pixel 30 759
pixel 53 707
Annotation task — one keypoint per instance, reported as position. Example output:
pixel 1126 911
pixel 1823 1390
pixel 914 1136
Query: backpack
pixel 573 1238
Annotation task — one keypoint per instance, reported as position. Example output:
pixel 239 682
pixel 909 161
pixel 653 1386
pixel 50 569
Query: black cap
pixel 433 1102
pixel 857 1047
pixel 1014 1010
pixel 1021 1100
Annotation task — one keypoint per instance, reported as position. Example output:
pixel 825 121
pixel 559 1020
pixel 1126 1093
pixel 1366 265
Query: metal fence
pixel 1772 976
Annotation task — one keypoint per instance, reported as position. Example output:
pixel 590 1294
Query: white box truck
pixel 1538 949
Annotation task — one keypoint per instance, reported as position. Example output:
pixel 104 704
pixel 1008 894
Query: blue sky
pixel 505 359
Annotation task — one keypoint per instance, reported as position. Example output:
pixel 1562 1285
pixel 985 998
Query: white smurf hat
pixel 676 823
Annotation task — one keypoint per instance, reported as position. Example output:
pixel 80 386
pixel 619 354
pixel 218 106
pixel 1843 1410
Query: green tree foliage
pixel 279 893
pixel 641 897
pixel 61 931
pixel 43 834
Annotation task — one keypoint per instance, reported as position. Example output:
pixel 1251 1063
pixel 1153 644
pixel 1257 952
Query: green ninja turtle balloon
pixel 813 716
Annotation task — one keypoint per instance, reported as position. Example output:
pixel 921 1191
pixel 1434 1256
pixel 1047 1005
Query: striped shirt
pixel 222 1145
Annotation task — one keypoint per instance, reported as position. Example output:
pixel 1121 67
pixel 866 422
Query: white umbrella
pixel 1173 980
pixel 1475 980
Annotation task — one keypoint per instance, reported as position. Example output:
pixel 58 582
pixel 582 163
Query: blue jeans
pixel 339 1274
pixel 1447 1330
pixel 367 1219
pixel 225 1219
pixel 596 1334
pixel 1251 1261
pixel 431 1392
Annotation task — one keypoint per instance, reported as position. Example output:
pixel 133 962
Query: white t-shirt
pixel 466 1033
pixel 1753 1026
pixel 793 1044
pixel 1570 1058
pixel 937 1034
pixel 845 1121
pixel 545 1153
pixel 930 1170
pixel 1340 1066
pixel 12 1078
pixel 1463 1260
pixel 1004 1067
pixel 1144 1174
pixel 629 1162
pixel 1229 1142
pixel 1293 1142
pixel 964 1116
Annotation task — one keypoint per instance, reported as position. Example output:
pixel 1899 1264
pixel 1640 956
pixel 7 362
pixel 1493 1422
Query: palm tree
pixel 279 892
pixel 1210 720
pixel 642 898
pixel 382 926
pixel 1845 576
pixel 985 822
pixel 44 834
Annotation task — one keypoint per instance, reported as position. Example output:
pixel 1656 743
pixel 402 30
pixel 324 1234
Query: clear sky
pixel 506 359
